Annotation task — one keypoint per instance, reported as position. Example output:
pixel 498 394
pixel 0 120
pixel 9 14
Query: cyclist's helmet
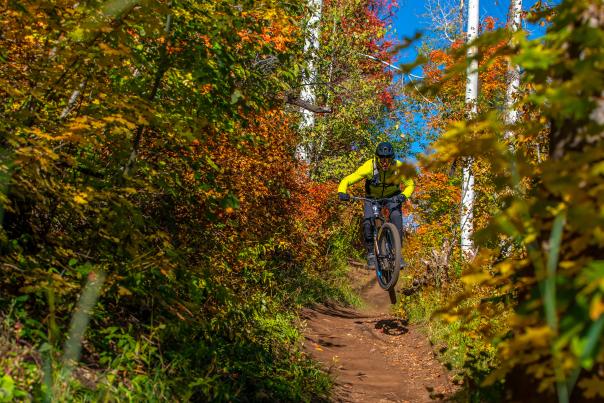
pixel 384 150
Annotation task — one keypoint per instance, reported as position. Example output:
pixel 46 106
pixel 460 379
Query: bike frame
pixel 377 205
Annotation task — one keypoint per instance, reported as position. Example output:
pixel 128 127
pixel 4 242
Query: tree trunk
pixel 73 99
pixel 467 186
pixel 161 70
pixel 511 114
pixel 309 76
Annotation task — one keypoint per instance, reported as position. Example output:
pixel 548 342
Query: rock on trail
pixel 373 356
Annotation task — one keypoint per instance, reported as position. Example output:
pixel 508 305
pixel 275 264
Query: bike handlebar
pixel 352 198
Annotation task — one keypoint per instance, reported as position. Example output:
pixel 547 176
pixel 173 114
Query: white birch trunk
pixel 461 5
pixel 309 76
pixel 511 114
pixel 75 95
pixel 467 186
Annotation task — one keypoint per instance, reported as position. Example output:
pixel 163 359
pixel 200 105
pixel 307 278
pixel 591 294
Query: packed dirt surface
pixel 372 355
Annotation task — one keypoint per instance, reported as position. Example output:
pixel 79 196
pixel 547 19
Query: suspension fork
pixel 374 230
pixel 375 243
pixel 372 220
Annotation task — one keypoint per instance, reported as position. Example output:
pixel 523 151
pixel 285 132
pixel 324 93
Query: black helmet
pixel 384 150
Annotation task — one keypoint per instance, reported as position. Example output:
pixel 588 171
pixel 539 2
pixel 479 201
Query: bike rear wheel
pixel 388 258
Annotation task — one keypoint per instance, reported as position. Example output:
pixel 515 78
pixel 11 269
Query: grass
pixel 461 346
pixel 258 359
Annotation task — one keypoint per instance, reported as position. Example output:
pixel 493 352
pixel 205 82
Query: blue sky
pixel 410 18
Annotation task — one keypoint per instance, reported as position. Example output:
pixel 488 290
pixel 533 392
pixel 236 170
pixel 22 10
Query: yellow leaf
pixel 77 34
pixel 592 387
pixel 567 264
pixel 596 309
pixel 494 376
pixel 108 50
pixel 535 336
pixel 449 318
pixel 530 238
pixel 505 267
pixel 123 291
pixel 80 198
pixel 598 169
pixel 599 235
pixel 475 278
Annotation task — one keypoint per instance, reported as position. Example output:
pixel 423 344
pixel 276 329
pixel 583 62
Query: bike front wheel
pixel 388 256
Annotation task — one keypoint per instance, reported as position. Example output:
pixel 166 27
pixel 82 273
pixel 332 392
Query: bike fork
pixel 375 245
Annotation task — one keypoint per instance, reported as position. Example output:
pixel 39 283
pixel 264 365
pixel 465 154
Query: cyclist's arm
pixel 364 171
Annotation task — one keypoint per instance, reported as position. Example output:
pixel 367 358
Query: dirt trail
pixel 373 356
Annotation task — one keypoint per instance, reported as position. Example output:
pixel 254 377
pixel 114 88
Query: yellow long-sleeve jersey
pixel 378 183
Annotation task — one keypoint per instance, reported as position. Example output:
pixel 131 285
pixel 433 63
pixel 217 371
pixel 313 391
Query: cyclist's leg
pixel 396 217
pixel 367 233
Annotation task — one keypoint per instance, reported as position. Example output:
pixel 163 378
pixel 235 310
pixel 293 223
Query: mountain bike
pixel 386 245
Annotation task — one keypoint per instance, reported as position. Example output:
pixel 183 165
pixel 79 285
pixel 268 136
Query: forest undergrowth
pixel 158 233
pixel 520 318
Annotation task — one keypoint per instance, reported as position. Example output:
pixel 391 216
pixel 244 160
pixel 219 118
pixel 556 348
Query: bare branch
pixel 73 99
pixel 443 18
pixel 306 105
pixel 380 60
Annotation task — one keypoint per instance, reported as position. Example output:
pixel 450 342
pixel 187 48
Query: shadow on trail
pixel 326 343
pixel 372 355
pixel 392 327
pixel 335 310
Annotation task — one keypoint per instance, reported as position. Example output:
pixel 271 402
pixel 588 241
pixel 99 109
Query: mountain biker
pixel 381 181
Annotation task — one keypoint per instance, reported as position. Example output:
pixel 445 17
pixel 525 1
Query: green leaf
pixel 212 164
pixel 235 96
pixel 552 263
pixel 7 388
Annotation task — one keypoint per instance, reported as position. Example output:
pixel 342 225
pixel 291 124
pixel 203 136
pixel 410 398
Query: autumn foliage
pixel 148 159
pixel 525 315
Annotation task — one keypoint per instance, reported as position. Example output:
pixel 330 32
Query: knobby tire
pixel 389 258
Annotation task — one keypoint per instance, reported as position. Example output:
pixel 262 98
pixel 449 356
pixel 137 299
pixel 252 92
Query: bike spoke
pixel 387 250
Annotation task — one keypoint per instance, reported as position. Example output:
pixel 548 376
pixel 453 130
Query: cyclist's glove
pixel 400 198
pixel 344 196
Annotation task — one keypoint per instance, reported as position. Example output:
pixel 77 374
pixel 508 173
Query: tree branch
pixel 161 70
pixel 306 105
